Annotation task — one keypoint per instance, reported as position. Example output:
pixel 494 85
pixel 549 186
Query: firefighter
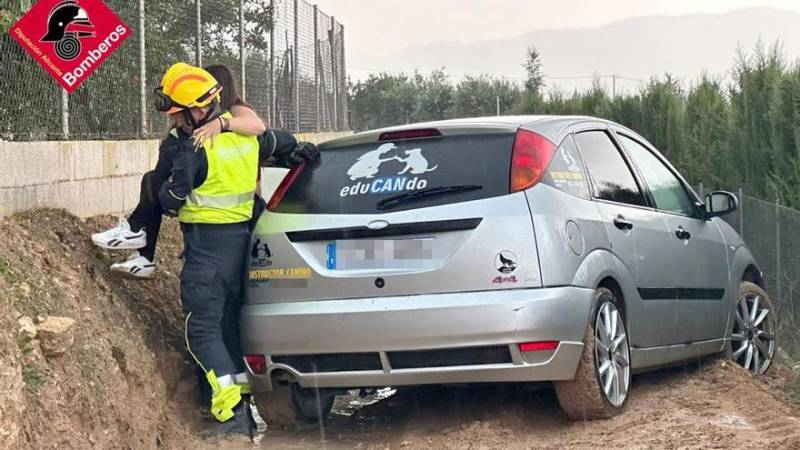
pixel 212 189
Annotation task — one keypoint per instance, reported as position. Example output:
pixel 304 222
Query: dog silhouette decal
pixel 505 262
pixel 415 162
pixel 369 164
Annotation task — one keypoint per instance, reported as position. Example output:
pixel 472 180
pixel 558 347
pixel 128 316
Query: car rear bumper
pixel 442 338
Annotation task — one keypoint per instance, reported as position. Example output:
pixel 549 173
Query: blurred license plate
pixel 380 253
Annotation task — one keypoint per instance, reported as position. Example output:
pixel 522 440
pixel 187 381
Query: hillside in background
pixel 641 47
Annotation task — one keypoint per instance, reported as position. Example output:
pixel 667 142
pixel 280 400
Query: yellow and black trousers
pixel 211 294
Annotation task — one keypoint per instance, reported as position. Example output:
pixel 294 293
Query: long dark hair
pixel 229 96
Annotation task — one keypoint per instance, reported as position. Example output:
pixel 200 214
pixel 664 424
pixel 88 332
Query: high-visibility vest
pixel 227 194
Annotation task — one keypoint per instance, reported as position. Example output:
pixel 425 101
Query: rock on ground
pixel 55 335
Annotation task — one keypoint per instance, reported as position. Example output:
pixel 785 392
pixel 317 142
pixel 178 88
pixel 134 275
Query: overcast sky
pixel 378 27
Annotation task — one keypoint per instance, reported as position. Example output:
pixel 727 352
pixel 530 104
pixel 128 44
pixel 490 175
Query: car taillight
pixel 257 363
pixel 538 346
pixel 409 134
pixel 529 160
pixel 284 186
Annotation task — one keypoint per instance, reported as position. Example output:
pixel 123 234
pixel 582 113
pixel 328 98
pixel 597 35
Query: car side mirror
pixel 720 203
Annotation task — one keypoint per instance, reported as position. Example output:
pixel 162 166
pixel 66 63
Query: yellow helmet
pixel 185 86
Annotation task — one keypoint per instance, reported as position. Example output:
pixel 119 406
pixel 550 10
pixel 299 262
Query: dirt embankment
pixel 123 383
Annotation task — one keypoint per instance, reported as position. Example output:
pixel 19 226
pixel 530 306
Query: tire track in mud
pixel 717 406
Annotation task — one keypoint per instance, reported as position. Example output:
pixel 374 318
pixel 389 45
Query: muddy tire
pixel 753 330
pixel 290 406
pixel 584 397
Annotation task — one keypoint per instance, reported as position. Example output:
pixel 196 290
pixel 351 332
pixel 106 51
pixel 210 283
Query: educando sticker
pixel 70 38
pixel 293 273
pixel 369 165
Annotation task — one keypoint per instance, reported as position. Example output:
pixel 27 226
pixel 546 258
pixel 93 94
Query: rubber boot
pixel 239 426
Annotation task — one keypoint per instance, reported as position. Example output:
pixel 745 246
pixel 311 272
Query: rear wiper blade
pixel 423 194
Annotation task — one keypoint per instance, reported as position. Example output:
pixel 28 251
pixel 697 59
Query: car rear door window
pixel 667 190
pixel 611 177
pixel 566 171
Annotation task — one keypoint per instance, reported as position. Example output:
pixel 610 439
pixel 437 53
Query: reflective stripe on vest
pixel 220 201
pixel 226 195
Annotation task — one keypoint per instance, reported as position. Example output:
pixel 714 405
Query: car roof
pixel 550 126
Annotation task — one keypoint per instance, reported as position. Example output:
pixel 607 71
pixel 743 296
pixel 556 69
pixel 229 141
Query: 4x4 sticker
pixel 505 262
pixel 503 280
pixel 368 165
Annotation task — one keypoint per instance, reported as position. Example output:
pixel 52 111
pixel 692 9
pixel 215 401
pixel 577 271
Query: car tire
pixel 290 406
pixel 750 330
pixel 584 397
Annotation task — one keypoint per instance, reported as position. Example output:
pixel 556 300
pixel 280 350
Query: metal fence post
pixel 741 213
pixel 198 43
pixel 778 287
pixel 702 191
pixel 343 81
pixel 316 68
pixel 64 114
pixel 142 70
pixel 242 52
pixel 271 77
pixel 295 66
pixel 334 75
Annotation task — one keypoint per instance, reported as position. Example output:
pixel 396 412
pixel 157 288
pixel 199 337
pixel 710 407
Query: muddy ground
pixel 126 383
pixel 710 406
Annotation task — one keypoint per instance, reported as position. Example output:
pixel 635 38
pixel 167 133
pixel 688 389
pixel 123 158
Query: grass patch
pixel 32 378
pixel 6 272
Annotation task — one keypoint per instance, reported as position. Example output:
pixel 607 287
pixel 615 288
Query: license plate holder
pixel 358 254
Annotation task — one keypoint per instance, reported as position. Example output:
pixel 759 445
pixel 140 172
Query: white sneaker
pixel 121 237
pixel 136 266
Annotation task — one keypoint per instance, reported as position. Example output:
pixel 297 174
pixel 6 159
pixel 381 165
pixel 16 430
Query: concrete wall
pixel 87 178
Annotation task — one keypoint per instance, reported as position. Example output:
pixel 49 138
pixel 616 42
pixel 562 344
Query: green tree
pixel 663 117
pixel 595 101
pixel 708 122
pixel 756 78
pixel 531 100
pixel 434 97
pixel 384 99
pixel 477 96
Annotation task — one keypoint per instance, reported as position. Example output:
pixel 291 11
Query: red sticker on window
pixel 70 38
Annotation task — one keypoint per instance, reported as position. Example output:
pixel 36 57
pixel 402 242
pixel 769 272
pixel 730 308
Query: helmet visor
pixel 164 104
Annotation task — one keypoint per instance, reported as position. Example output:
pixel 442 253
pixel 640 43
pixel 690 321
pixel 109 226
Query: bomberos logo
pixel 367 168
pixel 70 38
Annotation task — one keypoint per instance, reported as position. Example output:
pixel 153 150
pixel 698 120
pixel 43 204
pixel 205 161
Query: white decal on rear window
pixel 368 166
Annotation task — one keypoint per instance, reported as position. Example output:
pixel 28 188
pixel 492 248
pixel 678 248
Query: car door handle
pixel 622 224
pixel 682 234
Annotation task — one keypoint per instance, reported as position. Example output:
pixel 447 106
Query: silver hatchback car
pixel 501 249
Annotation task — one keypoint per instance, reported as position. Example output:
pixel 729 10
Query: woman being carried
pixel 139 232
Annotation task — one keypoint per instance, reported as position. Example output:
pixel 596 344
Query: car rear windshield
pixel 354 179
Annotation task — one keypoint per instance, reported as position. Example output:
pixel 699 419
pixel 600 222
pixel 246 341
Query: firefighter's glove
pixel 303 152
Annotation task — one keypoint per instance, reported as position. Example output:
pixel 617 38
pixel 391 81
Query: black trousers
pixel 212 283
pixel 148 212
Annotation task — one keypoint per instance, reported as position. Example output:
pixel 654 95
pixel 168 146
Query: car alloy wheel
pixel 612 355
pixel 753 337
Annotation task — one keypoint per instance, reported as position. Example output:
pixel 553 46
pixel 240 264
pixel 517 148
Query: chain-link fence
pixel 772 232
pixel 287 56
